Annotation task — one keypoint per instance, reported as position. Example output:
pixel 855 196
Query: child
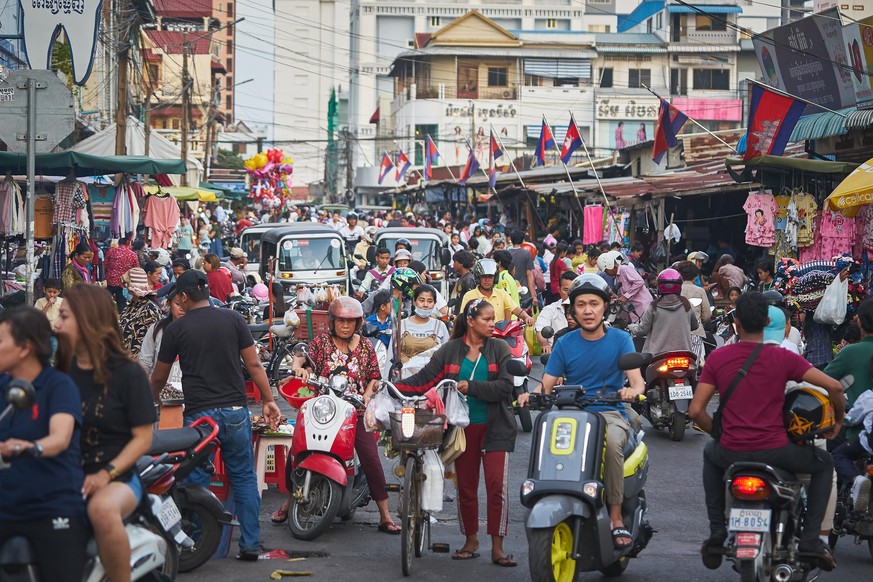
pixel 51 303
pixel 381 314
pixel 733 294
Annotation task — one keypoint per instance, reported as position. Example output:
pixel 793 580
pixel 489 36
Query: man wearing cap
pixel 209 343
pixel 236 266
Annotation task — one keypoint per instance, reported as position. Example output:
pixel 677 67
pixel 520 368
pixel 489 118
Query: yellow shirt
pixel 53 312
pixel 500 300
pixel 578 260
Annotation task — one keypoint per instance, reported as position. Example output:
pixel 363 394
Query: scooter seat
pixel 17 551
pixel 174 440
pixel 259 328
pixel 629 447
pixel 155 473
pixel 282 331
pixel 777 473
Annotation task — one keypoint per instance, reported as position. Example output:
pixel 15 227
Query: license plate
pixel 749 520
pixel 169 514
pixel 680 392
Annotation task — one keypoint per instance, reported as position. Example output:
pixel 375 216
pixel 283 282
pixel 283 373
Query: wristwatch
pixel 113 472
pixel 37 450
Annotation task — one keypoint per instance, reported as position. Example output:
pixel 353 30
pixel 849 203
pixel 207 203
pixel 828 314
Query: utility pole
pixel 147 128
pixel 350 191
pixel 210 129
pixel 186 106
pixel 121 98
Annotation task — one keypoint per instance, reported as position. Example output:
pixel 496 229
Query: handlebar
pixel 570 395
pixel 450 384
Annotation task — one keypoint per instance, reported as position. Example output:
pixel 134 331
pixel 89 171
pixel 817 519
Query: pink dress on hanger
pixel 592 224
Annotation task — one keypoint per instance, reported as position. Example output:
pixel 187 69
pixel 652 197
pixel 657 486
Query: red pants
pixel 368 455
pixel 496 464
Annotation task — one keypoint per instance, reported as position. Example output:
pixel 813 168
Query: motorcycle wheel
pixel 170 569
pixel 616 568
pixel 677 426
pixel 870 548
pixel 202 527
pixel 525 419
pixel 308 521
pixel 834 538
pixel 748 572
pixel 281 364
pixel 410 509
pixel 549 551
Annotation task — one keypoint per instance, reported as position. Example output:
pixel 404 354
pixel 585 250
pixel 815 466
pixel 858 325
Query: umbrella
pixel 856 190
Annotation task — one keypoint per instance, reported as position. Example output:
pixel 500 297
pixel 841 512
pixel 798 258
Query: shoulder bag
pixel 723 398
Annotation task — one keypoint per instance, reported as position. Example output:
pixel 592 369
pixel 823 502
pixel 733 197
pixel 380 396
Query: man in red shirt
pixel 753 428
pixel 118 261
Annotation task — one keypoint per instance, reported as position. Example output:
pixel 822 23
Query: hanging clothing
pixel 617 223
pixel 42 217
pixel 806 212
pixel 760 207
pixel 102 201
pixel 70 196
pixel 12 209
pixel 837 234
pixel 592 224
pixel 785 222
pixel 161 215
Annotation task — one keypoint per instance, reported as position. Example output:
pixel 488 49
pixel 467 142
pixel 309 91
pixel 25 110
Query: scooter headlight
pixel 527 488
pixel 323 410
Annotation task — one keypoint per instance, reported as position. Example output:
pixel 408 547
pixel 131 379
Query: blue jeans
pixel 235 435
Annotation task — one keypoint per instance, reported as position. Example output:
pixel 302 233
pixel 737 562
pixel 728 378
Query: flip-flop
pixel 464 555
pixel 279 516
pixel 618 533
pixel 385 527
pixel 507 561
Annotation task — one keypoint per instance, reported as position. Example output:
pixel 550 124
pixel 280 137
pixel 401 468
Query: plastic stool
pixel 252 391
pixel 281 447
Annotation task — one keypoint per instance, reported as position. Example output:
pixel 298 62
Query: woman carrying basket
pixel 478 363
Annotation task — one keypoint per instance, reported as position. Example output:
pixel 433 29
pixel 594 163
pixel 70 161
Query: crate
pixel 428 433
pixel 313 322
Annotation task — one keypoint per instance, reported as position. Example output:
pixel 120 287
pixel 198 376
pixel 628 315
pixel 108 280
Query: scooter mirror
pixel 548 332
pixel 360 257
pixel 544 359
pixel 370 330
pixel 20 394
pixel 517 368
pixel 371 254
pixel 523 290
pixel 446 257
pixel 634 360
pixel 301 350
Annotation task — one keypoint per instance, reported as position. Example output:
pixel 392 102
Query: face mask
pixel 425 313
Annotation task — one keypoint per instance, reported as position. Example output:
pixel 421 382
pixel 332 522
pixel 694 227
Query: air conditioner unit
pixel 410 43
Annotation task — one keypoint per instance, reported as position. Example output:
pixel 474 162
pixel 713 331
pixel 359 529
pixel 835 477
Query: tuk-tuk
pixel 250 242
pixel 342 209
pixel 305 253
pixel 429 245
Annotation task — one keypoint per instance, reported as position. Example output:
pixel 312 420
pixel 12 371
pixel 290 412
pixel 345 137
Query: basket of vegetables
pixel 296 392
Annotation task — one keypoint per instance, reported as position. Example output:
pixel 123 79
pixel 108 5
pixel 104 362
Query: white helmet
pixel 608 261
pixel 369 233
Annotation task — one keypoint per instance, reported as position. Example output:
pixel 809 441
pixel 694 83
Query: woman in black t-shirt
pixel 118 414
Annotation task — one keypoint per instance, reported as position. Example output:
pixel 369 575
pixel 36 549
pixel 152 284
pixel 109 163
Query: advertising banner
pixel 858 37
pixel 804 58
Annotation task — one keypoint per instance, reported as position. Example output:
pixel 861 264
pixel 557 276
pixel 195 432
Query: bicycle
pixel 413 431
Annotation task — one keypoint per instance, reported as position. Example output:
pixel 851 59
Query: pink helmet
pixel 669 282
pixel 345 308
pixel 260 292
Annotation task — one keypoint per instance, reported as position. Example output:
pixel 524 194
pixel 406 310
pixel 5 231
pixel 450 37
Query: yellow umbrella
pixel 856 190
pixel 184 193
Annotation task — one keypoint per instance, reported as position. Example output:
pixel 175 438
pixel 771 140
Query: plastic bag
pixel 457 409
pixel 832 308
pixel 371 423
pixel 383 407
pixel 530 335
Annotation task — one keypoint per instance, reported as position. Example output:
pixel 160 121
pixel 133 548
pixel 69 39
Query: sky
pixel 254 60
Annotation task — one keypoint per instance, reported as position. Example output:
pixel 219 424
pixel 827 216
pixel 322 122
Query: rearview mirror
pixel 445 257
pixel 360 257
pixel 516 368
pixel 20 394
pixel 300 350
pixel 544 359
pixel 370 330
pixel 634 361
pixel 548 332
pixel 371 254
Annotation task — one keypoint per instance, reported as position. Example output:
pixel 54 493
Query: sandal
pixel 507 561
pixel 619 533
pixel 280 515
pixel 465 555
pixel 389 527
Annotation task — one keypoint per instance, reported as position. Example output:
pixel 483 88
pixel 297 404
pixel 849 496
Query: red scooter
pixel 512 332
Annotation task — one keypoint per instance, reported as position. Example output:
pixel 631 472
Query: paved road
pixel 356 551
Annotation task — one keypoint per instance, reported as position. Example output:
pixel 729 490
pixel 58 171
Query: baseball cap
pixel 191 281
pixel 403 254
pixel 237 253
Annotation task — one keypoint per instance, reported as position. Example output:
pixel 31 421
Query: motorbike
pixel 512 332
pixel 568 527
pixel 202 516
pixel 670 381
pixel 324 474
pixel 154 552
pixel 847 521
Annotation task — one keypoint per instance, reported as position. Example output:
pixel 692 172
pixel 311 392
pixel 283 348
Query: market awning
pixel 820 125
pixel 860 119
pixel 184 193
pixel 81 164
pixel 804 165
pixel 558 68
pixel 855 190
pixel 697 8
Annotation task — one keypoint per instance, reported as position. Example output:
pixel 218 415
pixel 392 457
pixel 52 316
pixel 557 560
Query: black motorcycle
pixel 670 381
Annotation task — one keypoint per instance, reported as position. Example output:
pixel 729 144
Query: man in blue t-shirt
pixel 590 359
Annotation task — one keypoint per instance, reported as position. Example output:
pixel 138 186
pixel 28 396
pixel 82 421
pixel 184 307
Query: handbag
pixel 454 445
pixel 722 401
pixel 457 409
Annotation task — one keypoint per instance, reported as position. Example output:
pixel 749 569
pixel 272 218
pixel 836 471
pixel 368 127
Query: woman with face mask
pixel 420 331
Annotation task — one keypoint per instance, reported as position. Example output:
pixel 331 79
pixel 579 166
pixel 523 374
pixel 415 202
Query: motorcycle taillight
pixel 674 364
pixel 162 485
pixel 870 470
pixel 750 487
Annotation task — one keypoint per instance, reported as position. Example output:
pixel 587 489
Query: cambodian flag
pixel 772 117
pixel 572 141
pixel 430 157
pixel 386 166
pixel 403 165
pixel 495 152
pixel 470 168
pixel 545 142
pixel 670 121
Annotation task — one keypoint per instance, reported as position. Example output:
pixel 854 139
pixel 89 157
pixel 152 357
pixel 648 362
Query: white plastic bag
pixel 457 409
pixel 384 406
pixel 831 309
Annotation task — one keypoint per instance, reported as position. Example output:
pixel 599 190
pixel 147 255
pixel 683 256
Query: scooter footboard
pixel 551 510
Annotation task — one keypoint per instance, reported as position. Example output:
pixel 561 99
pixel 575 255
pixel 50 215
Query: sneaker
pixel 861 493
pixel 248 556
pixel 712 551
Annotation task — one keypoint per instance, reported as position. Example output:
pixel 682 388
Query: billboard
pixel 858 39
pixel 807 58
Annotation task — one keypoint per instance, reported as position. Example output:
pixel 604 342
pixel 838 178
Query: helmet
pixel 403 280
pixel 485 268
pixel 698 256
pixel 773 297
pixel 608 261
pixel 403 255
pixel 351 215
pixel 807 412
pixel 669 282
pixel 260 292
pixel 370 232
pixel 345 308
pixel 403 241
pixel 589 283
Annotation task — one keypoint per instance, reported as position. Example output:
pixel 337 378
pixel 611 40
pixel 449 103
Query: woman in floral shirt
pixel 342 351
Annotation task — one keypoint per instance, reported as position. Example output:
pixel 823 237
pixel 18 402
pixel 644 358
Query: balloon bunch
pixel 271 172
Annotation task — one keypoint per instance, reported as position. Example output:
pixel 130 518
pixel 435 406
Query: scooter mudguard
pixel 205 497
pixel 551 510
pixel 327 466
pixel 681 405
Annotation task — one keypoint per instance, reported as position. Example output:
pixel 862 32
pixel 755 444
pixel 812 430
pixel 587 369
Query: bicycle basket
pixel 428 431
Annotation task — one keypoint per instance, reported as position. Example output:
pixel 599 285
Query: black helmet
pixel 589 283
pixel 774 297
pixel 808 412
pixel 405 242
pixel 485 268
pixel 351 215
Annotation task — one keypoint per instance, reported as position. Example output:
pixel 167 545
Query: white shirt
pixel 795 338
pixel 553 316
pixel 548 256
pixel 351 233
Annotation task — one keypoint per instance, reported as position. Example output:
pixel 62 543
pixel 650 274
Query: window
pixel 154 74
pixel 552 23
pixel 606 77
pixel 164 123
pixel 434 21
pixel 497 76
pixel 533 81
pixel 636 78
pixel 176 124
pixel 229 64
pixel 230 28
pixel 566 82
pixel 228 82
pixel 228 102
pixel 708 23
pixel 230 9
pixel 230 47
pixel 599 28
pixel 711 79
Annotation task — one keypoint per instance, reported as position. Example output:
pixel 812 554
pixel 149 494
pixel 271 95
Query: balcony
pixel 445 91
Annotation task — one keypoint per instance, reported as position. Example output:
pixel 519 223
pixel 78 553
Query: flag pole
pixel 414 169
pixel 786 94
pixel 697 123
pixel 590 161
pixel 470 151
pixel 445 163
pixel 566 169
pixel 503 148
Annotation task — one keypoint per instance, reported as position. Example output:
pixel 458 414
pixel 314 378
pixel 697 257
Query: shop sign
pixel 858 37
pixel 710 109
pixel 625 108
pixel 484 111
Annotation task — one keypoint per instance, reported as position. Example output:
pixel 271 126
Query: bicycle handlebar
pixel 400 396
